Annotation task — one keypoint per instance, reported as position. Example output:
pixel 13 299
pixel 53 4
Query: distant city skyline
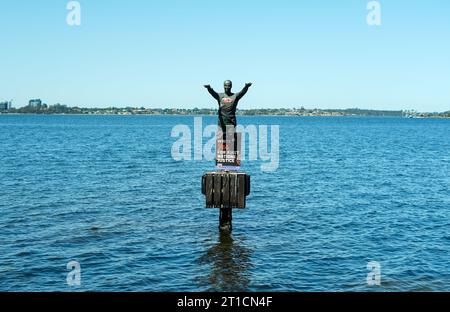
pixel 315 54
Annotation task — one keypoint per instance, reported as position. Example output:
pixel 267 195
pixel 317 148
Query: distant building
pixel 4 106
pixel 35 102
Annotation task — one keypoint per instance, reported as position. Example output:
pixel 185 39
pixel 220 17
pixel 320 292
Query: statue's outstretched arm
pixel 212 92
pixel 244 91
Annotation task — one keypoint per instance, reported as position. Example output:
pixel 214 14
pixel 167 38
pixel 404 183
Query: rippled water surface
pixel 105 191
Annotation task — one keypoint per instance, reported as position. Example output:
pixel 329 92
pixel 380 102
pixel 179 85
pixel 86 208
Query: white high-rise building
pixel 35 102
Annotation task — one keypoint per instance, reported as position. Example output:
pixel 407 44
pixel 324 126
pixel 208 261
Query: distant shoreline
pixel 210 115
pixel 37 107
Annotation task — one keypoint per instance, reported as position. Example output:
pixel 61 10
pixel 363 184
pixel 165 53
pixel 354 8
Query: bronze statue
pixel 228 102
pixel 227 147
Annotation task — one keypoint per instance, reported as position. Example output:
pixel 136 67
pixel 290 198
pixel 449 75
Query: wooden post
pixel 225 220
pixel 225 190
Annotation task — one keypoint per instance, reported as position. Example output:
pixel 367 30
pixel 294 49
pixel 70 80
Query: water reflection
pixel 229 262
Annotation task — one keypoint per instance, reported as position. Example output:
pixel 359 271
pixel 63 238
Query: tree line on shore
pixel 64 109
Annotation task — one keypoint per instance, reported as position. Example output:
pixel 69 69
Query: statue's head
pixel 227 85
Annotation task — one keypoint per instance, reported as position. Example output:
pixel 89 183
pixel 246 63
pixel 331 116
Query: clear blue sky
pixel 160 53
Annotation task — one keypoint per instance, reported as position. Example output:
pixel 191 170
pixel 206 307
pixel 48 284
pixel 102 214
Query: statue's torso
pixel 227 109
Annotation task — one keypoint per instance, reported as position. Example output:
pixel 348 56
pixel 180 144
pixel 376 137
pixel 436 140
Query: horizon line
pixel 302 108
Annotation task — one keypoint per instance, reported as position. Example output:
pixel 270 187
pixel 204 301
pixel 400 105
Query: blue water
pixel 104 191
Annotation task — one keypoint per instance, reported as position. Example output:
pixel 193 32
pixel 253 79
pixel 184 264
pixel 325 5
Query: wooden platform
pixel 225 189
